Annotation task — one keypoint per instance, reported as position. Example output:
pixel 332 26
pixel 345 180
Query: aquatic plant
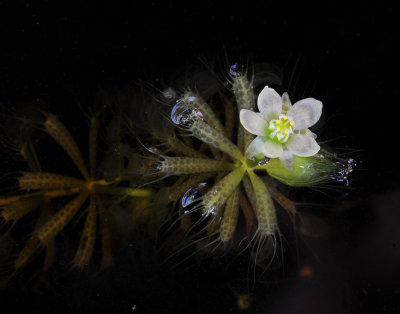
pixel 95 195
pixel 223 174
pixel 185 165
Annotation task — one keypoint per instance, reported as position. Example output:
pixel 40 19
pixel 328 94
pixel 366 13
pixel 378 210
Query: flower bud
pixel 310 171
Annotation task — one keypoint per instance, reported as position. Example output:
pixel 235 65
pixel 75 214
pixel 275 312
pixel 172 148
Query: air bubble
pixel 263 162
pixel 191 98
pixel 233 71
pixel 182 114
pixel 190 195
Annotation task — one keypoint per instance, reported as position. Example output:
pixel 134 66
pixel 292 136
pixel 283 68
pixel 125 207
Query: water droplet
pixel 190 98
pixel 190 195
pixel 178 112
pixel 184 114
pixel 233 71
pixel 263 162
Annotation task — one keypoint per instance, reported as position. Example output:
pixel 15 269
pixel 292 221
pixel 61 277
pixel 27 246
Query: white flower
pixel 282 129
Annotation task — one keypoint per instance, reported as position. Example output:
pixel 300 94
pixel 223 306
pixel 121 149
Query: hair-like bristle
pixel 93 139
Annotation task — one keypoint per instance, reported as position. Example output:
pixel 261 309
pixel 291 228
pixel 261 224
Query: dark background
pixel 341 54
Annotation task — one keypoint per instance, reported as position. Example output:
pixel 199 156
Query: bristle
pixel 93 136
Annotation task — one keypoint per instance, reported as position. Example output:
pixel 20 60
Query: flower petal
pixel 306 132
pixel 287 159
pixel 312 134
pixel 305 113
pixel 302 145
pixel 269 103
pixel 255 147
pixel 272 149
pixel 252 122
pixel 286 100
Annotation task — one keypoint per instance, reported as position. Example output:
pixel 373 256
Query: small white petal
pixel 311 134
pixel 252 122
pixel 255 147
pixel 286 100
pixel 287 159
pixel 272 149
pixel 269 103
pixel 306 132
pixel 305 113
pixel 302 145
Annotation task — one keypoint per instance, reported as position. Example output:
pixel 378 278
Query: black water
pixel 343 55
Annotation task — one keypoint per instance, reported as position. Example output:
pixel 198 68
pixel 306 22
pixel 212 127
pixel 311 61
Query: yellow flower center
pixel 280 129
